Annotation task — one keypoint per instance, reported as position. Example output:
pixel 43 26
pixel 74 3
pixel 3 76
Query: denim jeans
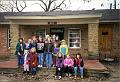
pixel 80 70
pixel 20 60
pixel 48 59
pixel 75 70
pixel 40 56
pixel 33 71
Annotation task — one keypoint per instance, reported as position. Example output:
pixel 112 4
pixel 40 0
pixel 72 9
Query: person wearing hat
pixel 64 48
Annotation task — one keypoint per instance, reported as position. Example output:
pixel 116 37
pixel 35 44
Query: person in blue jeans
pixel 48 52
pixel 40 46
pixel 78 66
pixel 20 51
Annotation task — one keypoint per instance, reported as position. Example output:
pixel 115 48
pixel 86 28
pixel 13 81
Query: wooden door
pixel 105 40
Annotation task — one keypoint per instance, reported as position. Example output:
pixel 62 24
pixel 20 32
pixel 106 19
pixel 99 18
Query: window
pixel 40 32
pixel 74 38
pixel 8 37
pixel 104 33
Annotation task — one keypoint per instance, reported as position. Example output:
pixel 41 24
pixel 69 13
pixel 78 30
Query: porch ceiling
pixel 45 20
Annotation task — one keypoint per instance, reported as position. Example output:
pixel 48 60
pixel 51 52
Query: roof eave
pixel 54 17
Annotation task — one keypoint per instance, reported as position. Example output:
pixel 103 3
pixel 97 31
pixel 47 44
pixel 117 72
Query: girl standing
pixel 33 61
pixel 26 62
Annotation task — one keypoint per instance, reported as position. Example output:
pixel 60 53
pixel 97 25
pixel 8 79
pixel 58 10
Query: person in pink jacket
pixel 68 65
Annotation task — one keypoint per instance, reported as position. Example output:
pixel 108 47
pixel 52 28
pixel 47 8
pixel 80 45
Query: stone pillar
pixel 93 41
pixel 14 34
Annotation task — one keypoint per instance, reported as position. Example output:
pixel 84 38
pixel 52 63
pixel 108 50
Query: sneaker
pixel 81 77
pixel 55 77
pixel 59 77
pixel 75 77
pixel 24 72
pixel 67 74
pixel 39 66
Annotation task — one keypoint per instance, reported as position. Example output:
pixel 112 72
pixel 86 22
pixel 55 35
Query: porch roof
pixel 108 15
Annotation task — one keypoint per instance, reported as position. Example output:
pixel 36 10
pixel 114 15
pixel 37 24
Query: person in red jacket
pixel 78 65
pixel 33 61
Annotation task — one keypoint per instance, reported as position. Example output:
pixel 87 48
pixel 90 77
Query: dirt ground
pixel 48 76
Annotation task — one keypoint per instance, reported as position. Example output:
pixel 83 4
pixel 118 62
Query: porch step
pixel 92 68
pixel 12 56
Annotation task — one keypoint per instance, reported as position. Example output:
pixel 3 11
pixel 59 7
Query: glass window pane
pixel 74 38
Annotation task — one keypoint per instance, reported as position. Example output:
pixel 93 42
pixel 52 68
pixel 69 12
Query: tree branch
pixel 58 7
pixel 43 3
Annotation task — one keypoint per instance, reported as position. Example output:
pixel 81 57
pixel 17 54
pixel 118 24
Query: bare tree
pixel 18 5
pixel 4 7
pixel 52 5
pixel 13 5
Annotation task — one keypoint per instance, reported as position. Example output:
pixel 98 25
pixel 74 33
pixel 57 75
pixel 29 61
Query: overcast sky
pixel 75 5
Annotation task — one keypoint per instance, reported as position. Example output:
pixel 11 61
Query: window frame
pixel 8 38
pixel 37 32
pixel 74 37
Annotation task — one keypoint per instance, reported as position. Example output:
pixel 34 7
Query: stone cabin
pixel 93 33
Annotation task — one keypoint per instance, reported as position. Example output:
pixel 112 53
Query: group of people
pixel 47 52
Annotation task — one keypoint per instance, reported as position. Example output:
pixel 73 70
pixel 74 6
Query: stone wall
pixel 93 41
pixel 116 42
pixel 14 34
pixel 3 40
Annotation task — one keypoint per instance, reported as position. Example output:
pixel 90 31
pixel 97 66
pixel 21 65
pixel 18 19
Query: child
pixel 68 64
pixel 78 65
pixel 40 50
pixel 55 52
pixel 59 66
pixel 48 52
pixel 26 62
pixel 33 61
pixel 64 48
pixel 28 45
pixel 34 41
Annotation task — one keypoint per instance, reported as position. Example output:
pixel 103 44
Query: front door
pixel 58 32
pixel 105 40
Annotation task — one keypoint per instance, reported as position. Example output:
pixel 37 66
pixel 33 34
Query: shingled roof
pixel 111 15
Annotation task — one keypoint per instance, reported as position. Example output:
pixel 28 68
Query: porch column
pixel 93 41
pixel 14 34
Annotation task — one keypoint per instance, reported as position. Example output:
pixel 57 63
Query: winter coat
pixel 19 48
pixel 56 50
pixel 33 60
pixel 78 62
pixel 49 47
pixel 28 46
pixel 68 62
pixel 59 62
pixel 64 49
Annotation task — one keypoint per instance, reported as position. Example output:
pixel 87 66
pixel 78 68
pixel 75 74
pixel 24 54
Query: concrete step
pixel 12 56
pixel 92 68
